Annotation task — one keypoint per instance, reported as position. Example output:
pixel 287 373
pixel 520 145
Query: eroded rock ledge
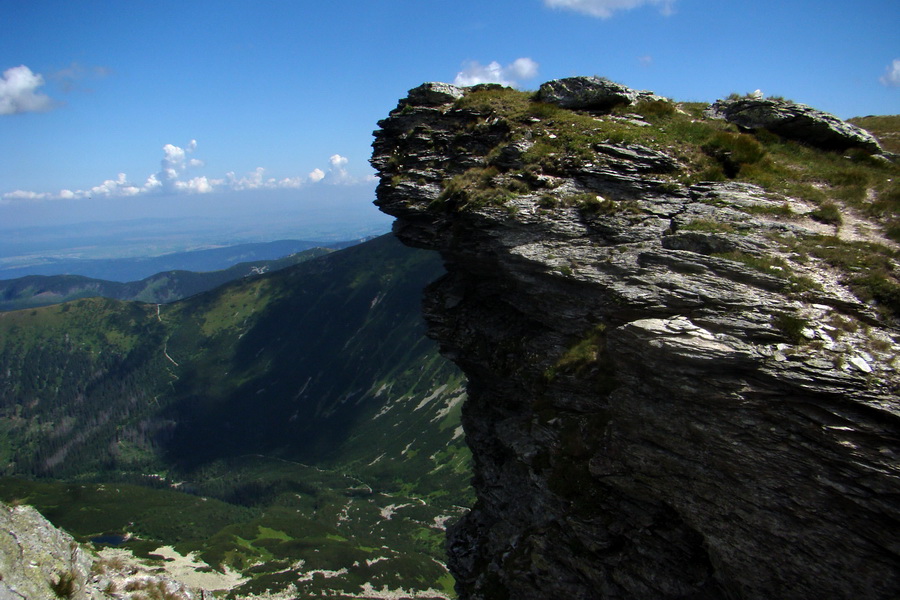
pixel 665 401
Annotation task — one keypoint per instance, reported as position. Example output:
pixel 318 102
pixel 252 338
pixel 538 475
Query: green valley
pixel 295 427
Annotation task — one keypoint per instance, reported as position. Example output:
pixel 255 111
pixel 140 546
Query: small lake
pixel 109 539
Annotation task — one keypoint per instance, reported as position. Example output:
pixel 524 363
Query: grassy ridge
pixel 836 189
pixel 706 149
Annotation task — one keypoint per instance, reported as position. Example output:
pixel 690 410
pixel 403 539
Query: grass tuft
pixel 64 586
pixel 828 213
pixel 791 326
pixel 734 150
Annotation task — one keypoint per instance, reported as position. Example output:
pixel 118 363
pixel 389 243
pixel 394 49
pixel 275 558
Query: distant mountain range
pixel 167 286
pixel 134 269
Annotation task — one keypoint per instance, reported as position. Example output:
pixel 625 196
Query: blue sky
pixel 113 110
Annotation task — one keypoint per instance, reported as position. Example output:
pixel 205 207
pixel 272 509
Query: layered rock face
pixel 665 401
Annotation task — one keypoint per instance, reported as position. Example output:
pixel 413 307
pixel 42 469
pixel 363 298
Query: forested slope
pixel 309 396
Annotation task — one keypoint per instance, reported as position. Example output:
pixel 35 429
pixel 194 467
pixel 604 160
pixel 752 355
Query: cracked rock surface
pixel 651 416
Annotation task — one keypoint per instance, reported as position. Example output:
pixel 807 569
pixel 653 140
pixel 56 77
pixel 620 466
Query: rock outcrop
pixel 795 121
pixel 40 562
pixel 591 93
pixel 670 394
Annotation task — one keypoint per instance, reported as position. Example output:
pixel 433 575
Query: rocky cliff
pixel 680 335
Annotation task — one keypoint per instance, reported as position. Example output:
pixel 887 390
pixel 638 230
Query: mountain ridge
pixel 124 270
pixel 161 288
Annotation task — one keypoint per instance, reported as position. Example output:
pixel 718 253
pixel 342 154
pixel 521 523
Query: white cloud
pixel 152 183
pixel 337 173
pixel 290 182
pixel 604 9
pixel 522 68
pixel 252 181
pixel 197 185
pixel 476 73
pixel 173 166
pixel 175 177
pixel 114 187
pixel 25 195
pixel 18 92
pixel 174 156
pixel 510 75
pixel 891 77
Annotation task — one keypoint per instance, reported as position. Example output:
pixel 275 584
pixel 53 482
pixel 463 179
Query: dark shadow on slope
pixel 308 365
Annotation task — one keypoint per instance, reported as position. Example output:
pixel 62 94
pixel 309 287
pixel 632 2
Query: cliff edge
pixel 680 336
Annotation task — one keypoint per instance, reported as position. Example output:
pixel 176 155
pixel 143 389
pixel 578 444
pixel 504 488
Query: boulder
pixel 591 93
pixel 795 122
pixel 434 94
